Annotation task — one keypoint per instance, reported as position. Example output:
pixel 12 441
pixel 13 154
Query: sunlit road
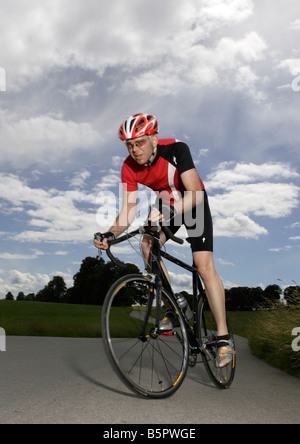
pixel 58 380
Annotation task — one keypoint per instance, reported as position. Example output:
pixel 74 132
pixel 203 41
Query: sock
pixel 222 340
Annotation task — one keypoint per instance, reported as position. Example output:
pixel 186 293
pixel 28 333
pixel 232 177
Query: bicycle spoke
pixel 146 360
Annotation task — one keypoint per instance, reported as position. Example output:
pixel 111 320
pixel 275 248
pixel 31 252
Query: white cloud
pixel 273 200
pixel 43 140
pixel 225 263
pixel 181 281
pixel 78 180
pixel 16 281
pixel 295 25
pixel 227 10
pixel 238 225
pixel 17 256
pixel 246 81
pixel 228 174
pixel 79 90
pixel 57 216
pixel 292 65
pixel 134 35
pixel 241 199
pixel 192 63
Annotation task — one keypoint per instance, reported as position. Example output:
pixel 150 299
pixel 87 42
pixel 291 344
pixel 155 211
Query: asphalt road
pixel 69 381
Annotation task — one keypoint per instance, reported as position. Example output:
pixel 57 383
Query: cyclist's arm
pixel 124 219
pixel 127 214
pixel 193 195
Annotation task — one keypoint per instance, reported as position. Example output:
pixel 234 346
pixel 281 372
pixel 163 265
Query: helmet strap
pixel 148 164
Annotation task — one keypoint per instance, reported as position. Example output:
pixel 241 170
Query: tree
pixel 54 291
pixel 21 296
pixel 94 279
pixel 292 295
pixel 9 296
pixel 271 294
pixel 243 298
pixel 87 281
pixel 30 297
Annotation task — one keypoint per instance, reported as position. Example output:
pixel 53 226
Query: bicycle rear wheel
pixel 148 361
pixel 221 377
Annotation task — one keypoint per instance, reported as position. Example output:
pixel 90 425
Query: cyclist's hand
pixel 101 240
pixel 155 216
pixel 164 214
pixel 101 245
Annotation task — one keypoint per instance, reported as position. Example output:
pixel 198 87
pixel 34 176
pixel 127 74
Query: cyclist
pixel 166 166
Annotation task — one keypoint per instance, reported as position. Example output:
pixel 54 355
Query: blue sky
pixel 221 75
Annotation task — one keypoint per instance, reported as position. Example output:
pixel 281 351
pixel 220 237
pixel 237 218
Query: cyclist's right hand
pixel 101 240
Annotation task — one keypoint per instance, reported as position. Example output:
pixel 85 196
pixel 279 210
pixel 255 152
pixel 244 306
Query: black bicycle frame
pixel 198 291
pixel 161 280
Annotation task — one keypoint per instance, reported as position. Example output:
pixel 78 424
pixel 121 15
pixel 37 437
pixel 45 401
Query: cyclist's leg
pixel 146 249
pixel 146 246
pixel 202 248
pixel 213 287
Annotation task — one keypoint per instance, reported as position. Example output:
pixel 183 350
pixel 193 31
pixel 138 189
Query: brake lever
pixel 98 237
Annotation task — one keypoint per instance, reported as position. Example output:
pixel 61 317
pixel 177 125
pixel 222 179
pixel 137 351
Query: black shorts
pixel 198 225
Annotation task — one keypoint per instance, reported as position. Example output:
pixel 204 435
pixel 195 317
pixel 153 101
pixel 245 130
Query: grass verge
pixel 270 337
pixel 24 318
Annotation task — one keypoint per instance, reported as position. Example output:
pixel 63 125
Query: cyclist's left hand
pixel 155 216
pixel 166 214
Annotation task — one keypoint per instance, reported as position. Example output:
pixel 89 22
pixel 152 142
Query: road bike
pixel 149 360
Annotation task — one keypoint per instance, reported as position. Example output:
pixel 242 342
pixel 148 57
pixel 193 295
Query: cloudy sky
pixel 221 75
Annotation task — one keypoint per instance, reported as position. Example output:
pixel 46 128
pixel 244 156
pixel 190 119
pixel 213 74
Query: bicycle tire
pixel 153 366
pixel 221 377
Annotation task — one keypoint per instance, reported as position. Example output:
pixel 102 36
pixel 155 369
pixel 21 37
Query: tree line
pixel 95 277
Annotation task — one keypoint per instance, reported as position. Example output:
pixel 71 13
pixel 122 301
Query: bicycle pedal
pixel 192 360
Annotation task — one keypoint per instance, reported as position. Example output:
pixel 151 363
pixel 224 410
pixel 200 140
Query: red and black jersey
pixel 163 176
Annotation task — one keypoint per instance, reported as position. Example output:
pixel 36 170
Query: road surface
pixel 69 381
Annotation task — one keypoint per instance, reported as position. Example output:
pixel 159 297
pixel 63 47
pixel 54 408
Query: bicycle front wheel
pixel 151 362
pixel 221 377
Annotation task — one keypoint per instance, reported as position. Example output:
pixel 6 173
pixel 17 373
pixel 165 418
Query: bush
pixel 271 336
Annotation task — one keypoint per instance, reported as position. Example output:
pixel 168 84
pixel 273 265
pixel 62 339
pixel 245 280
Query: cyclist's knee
pixel 205 265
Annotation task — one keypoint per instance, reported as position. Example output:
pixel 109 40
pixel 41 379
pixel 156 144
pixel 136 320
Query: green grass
pixel 270 338
pixel 24 318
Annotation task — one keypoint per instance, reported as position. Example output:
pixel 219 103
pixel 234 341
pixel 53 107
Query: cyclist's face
pixel 141 148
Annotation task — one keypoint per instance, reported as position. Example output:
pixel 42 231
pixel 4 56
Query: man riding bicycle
pixel 166 166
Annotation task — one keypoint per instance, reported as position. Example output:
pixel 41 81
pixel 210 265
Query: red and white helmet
pixel 138 125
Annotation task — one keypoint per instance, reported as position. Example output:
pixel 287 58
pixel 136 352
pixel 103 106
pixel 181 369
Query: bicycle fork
pixel 156 280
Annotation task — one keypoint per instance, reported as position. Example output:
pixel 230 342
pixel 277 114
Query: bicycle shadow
pixel 77 368
pixel 199 375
